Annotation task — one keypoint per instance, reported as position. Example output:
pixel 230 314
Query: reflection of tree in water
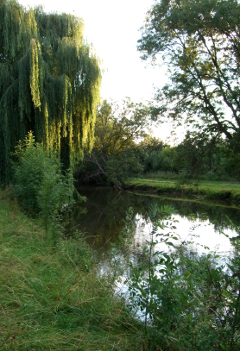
pixel 217 215
pixel 102 216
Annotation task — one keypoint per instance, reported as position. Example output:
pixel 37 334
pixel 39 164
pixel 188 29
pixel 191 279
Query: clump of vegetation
pixel 39 183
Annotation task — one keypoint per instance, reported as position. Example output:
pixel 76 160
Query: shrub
pixel 39 184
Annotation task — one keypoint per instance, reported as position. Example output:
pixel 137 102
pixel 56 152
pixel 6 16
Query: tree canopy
pixel 113 156
pixel 199 40
pixel 49 83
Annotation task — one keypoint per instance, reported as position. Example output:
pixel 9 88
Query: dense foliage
pixel 113 157
pixel 197 156
pixel 39 184
pixel 155 155
pixel 123 149
pixel 49 83
pixel 199 41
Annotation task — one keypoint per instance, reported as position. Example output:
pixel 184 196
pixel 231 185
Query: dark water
pixel 102 217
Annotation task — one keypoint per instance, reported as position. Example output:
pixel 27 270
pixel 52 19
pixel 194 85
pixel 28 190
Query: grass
pixel 51 296
pixel 214 190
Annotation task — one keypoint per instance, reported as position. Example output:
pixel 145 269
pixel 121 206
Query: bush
pixel 39 184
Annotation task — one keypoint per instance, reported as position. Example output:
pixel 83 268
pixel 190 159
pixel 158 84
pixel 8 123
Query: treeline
pixel 123 149
pixel 197 156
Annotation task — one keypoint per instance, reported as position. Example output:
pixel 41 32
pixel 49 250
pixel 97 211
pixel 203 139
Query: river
pixel 102 218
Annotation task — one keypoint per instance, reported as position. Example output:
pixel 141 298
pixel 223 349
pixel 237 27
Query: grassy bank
pixel 51 295
pixel 213 190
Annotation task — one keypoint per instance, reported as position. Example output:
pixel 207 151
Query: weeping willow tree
pixel 49 83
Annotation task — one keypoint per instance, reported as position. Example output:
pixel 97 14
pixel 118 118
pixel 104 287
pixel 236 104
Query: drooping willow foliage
pixel 49 83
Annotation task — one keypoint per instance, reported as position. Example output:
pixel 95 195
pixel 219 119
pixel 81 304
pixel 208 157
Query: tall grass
pixel 51 295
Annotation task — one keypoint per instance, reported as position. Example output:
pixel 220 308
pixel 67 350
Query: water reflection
pixel 102 219
pixel 202 234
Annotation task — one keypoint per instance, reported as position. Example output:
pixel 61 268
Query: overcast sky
pixel 113 28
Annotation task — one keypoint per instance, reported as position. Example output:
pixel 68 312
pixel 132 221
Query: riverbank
pixel 216 191
pixel 51 295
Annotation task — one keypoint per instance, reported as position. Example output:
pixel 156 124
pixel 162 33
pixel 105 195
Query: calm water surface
pixel 102 217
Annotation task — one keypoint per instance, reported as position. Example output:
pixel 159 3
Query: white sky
pixel 112 27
